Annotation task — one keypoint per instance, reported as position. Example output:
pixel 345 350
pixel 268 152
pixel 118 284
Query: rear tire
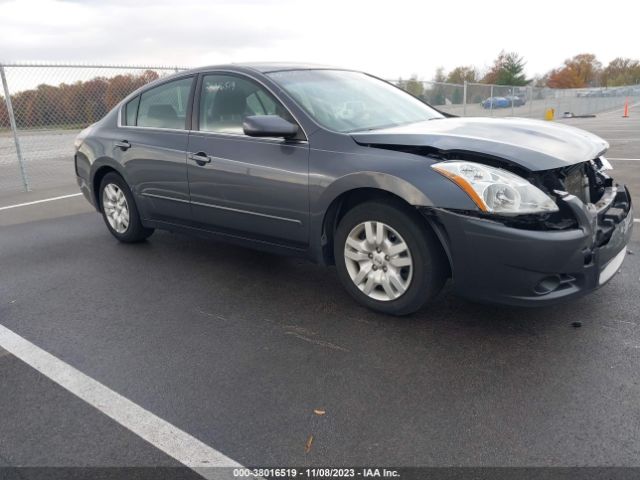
pixel 387 258
pixel 119 210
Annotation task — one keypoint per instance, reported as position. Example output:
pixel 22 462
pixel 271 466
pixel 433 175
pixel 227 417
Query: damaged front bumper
pixel 494 262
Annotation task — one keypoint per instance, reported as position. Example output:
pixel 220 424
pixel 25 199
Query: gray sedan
pixel 343 168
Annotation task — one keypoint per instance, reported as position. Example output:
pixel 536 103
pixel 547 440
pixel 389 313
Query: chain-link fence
pixel 43 107
pixel 483 100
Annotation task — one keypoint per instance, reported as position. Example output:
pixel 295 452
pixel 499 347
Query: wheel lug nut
pixel 378 250
pixel 371 255
pixel 386 257
pixel 384 269
pixel 375 267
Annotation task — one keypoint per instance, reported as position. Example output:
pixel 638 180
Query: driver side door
pixel 242 185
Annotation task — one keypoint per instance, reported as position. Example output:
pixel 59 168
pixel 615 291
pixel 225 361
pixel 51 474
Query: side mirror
pixel 268 126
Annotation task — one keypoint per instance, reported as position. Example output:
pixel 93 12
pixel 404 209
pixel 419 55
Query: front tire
pixel 119 210
pixel 387 258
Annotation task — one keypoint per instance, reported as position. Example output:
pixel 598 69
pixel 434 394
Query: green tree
pixel 440 76
pixel 436 95
pixel 507 69
pixel 414 86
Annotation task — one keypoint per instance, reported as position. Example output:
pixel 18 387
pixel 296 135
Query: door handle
pixel 200 158
pixel 123 144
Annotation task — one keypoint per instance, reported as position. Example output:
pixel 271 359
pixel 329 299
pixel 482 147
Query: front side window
pixel 345 101
pixel 227 99
pixel 165 106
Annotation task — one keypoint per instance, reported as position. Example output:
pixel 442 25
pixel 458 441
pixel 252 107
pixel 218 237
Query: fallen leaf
pixel 319 411
pixel 307 446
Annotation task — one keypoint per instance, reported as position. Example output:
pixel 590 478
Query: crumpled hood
pixel 532 144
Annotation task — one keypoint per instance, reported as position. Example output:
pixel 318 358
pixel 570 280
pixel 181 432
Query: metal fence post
pixel 491 101
pixel 464 99
pixel 513 97
pixel 14 128
pixel 530 102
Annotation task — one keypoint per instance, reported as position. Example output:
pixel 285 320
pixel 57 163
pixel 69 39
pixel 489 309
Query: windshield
pixel 345 101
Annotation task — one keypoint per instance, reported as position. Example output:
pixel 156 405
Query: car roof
pixel 261 67
pixel 267 67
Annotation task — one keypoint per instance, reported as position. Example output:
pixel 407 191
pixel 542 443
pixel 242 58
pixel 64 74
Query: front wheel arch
pixel 351 198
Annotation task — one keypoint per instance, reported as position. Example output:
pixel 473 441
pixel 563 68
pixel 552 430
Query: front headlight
pixel 495 190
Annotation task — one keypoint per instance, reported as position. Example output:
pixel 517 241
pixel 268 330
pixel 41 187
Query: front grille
pixel 583 181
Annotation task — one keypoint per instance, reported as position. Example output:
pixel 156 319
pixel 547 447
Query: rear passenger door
pixel 247 185
pixel 152 149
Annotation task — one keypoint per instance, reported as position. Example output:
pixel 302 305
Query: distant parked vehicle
pixel 516 100
pixel 496 102
pixel 588 93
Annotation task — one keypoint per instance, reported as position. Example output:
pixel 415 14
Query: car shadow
pixel 278 284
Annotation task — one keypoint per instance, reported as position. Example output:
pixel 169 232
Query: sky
pixel 391 39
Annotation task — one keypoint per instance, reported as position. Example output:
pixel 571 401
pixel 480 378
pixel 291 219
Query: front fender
pixel 429 190
pixel 378 180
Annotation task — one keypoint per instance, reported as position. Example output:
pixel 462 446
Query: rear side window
pixel 165 106
pixel 131 111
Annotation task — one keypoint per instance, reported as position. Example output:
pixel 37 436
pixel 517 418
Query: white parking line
pixel 176 443
pixel 612 139
pixel 40 201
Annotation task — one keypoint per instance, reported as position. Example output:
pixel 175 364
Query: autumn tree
pixel 621 71
pixel 80 103
pixel 125 84
pixel 4 114
pixel 463 74
pixel 581 71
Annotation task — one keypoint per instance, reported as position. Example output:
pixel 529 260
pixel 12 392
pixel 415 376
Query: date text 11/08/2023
pixel 314 473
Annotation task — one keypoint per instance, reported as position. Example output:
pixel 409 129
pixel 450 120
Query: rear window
pixel 165 106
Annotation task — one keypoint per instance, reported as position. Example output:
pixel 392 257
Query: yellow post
pixel 549 114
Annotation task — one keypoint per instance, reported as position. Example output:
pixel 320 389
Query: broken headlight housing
pixel 495 190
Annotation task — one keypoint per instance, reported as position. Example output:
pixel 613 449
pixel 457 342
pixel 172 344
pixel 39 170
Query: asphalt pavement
pixel 238 348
